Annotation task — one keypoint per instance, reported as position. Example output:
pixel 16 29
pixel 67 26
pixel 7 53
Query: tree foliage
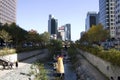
pixel 21 36
pixel 56 44
pixel 95 34
pixel 18 34
pixel 5 36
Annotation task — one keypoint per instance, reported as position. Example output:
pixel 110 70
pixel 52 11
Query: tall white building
pixel 68 32
pixel 117 18
pixel 8 11
pixel 107 15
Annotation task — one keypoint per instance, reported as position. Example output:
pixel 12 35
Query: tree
pixel 0 24
pixel 19 34
pixel 33 36
pixel 45 37
pixel 56 44
pixel 84 38
pixel 5 36
pixel 95 34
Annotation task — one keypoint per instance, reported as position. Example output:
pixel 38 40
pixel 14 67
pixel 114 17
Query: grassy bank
pixel 111 55
pixel 6 51
pixel 39 71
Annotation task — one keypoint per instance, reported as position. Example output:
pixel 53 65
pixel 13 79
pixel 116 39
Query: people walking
pixel 16 64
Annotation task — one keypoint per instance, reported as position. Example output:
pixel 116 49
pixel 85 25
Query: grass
pixel 39 71
pixel 6 51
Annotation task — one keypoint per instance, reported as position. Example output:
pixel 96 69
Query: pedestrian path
pixel 21 73
pixel 23 70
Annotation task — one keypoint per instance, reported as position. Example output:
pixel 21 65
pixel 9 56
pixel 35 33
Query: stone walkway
pixel 23 70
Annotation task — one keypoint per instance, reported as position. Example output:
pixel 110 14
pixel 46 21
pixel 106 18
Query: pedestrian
pixel 3 64
pixel 60 68
pixel 66 47
pixel 16 64
pixel 11 65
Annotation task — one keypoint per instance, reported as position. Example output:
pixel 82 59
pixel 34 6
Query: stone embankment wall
pixel 111 71
pixel 22 56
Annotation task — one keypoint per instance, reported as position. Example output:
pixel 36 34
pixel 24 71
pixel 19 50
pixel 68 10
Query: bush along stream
pixel 38 71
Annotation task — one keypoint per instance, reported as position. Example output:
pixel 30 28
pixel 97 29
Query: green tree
pixel 84 38
pixel 46 37
pixel 6 37
pixel 19 34
pixel 56 44
pixel 95 34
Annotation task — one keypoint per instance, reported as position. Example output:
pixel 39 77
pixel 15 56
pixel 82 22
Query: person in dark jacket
pixel 16 64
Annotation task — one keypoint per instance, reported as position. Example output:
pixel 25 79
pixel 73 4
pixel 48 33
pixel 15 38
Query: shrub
pixel 112 55
pixel 39 71
pixel 6 51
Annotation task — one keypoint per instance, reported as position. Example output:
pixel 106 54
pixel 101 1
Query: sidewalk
pixel 22 72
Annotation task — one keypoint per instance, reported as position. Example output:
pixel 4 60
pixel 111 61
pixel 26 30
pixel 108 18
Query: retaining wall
pixel 22 56
pixel 105 67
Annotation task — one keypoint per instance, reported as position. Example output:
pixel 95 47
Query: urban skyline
pixel 30 16
pixel 107 21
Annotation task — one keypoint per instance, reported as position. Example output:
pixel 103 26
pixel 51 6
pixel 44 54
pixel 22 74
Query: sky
pixel 34 14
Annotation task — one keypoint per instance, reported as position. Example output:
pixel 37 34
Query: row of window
pixel 118 22
pixel 3 20
pixel 8 7
pixel 7 18
pixel 12 16
pixel 9 3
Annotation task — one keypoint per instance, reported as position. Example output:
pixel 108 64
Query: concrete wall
pixel 24 55
pixel 105 67
pixel 10 57
pixel 21 56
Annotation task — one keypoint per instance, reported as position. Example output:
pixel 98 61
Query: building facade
pixel 8 11
pixel 61 33
pixel 68 32
pixel 107 16
pixel 52 25
pixel 91 19
pixel 117 18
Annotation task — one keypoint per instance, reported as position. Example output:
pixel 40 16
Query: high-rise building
pixel 107 15
pixel 52 25
pixel 7 11
pixel 61 33
pixel 64 32
pixel 68 32
pixel 91 19
pixel 117 18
